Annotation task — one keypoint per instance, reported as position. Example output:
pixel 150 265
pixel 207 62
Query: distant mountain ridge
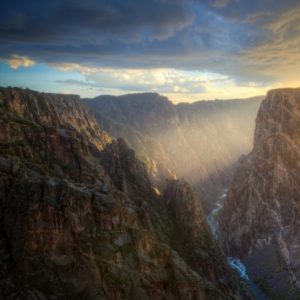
pixel 200 141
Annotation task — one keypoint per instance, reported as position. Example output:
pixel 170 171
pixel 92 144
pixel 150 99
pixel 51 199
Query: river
pixel 233 262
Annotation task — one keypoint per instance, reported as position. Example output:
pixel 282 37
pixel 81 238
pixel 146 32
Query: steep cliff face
pixel 52 110
pixel 141 119
pixel 80 220
pixel 260 220
pixel 200 141
pixel 190 235
pixel 52 132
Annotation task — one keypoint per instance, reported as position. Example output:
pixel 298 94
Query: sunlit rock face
pixel 200 141
pixel 80 220
pixel 260 220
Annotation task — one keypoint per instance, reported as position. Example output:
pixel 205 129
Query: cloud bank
pixel 250 43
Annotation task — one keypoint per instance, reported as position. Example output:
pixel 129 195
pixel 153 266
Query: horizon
pixel 184 49
pixel 133 93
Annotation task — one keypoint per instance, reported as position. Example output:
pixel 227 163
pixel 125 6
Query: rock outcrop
pixel 190 235
pixel 200 141
pixel 261 221
pixel 79 218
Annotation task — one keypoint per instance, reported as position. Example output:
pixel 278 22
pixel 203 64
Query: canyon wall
pixel 80 219
pixel 260 220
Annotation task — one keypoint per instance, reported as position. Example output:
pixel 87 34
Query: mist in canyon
pixel 201 141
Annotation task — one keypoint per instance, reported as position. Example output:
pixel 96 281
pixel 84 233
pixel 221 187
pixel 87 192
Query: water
pixel 233 262
pixel 237 265
pixel 212 217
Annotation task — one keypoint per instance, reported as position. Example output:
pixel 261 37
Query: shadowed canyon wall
pixel 260 219
pixel 81 220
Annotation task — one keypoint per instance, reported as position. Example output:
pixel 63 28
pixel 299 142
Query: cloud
pixel 17 61
pixel 278 57
pixel 131 43
pixel 187 86
pixel 78 20
pixel 75 67
pixel 154 80
pixel 77 82
pixel 219 3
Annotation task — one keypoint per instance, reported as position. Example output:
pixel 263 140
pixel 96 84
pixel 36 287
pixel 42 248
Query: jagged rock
pixel 79 218
pixel 126 172
pixel 191 237
pixel 260 220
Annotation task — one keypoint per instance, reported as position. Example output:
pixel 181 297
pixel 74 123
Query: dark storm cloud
pixel 93 21
pixel 243 9
pixel 213 35
pixel 89 31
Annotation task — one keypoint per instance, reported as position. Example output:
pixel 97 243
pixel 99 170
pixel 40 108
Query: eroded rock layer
pixel 260 221
pixel 79 218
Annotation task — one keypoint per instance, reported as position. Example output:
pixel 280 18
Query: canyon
pixel 80 218
pixel 200 141
pixel 92 207
pixel 150 150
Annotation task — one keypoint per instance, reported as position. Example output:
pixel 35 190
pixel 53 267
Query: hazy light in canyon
pixel 188 50
pixel 197 141
pixel 215 153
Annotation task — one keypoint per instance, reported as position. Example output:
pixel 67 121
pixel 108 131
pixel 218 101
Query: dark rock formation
pixel 190 235
pixel 200 141
pixel 80 220
pixel 260 220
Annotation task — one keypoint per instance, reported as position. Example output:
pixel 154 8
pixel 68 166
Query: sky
pixel 188 50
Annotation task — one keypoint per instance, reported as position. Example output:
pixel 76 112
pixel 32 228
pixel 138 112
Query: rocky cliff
pixel 79 218
pixel 200 141
pixel 260 220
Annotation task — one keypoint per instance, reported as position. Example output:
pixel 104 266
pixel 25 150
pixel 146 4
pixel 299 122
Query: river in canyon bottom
pixel 233 262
